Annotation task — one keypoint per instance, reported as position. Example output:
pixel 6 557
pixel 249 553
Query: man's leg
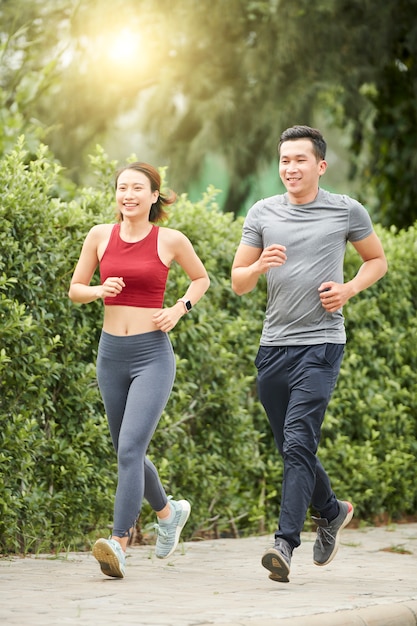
pixel 312 374
pixel 295 385
pixel 273 391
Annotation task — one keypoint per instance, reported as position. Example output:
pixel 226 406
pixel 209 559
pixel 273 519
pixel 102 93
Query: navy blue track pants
pixel 295 384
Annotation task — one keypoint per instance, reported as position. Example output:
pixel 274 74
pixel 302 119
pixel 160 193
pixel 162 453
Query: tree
pixel 226 81
pixel 264 65
pixel 380 105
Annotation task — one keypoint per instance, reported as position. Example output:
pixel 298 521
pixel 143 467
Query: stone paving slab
pixel 372 581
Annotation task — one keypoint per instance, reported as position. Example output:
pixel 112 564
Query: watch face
pixel 188 305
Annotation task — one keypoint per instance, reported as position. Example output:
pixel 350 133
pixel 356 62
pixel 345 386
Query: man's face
pixel 300 170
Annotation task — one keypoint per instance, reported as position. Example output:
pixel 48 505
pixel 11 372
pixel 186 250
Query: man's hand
pixel 333 296
pixel 272 256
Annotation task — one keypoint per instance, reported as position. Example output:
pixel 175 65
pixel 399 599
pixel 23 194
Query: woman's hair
pixel 157 212
pixel 306 132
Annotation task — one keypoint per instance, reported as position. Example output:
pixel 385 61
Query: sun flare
pixel 123 46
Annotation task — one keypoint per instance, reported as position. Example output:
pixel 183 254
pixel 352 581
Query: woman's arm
pixel 179 248
pixel 80 290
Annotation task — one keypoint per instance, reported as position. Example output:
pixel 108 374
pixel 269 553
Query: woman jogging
pixel 136 362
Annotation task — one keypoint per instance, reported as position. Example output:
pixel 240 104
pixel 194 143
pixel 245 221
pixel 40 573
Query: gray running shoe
pixel 169 534
pixel 278 561
pixel 328 534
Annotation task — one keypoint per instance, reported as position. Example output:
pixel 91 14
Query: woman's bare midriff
pixel 128 320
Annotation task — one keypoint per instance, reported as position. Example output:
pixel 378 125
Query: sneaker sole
pixel 273 561
pixel 346 521
pixel 186 510
pixel 109 563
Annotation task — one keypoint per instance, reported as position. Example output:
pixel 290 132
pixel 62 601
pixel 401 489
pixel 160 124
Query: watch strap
pixel 187 304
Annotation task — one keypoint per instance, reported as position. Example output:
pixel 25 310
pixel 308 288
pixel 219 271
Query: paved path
pixel 371 582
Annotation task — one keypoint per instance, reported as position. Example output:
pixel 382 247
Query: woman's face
pixel 134 196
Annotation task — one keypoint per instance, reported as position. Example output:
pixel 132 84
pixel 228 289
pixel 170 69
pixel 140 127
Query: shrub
pixel 53 437
pixel 213 444
pixel 369 437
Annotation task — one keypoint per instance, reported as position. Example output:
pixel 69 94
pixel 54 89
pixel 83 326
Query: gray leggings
pixel 135 375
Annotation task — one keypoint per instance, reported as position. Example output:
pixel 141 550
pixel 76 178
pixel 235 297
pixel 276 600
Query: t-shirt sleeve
pixel 252 232
pixel 360 224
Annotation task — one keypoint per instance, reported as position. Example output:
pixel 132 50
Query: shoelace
pixel 162 532
pixel 283 548
pixel 324 535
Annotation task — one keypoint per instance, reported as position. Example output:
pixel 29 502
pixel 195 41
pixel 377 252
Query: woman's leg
pixel 144 405
pixel 135 376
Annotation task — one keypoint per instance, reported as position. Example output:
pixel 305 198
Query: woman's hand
pixel 166 319
pixel 111 287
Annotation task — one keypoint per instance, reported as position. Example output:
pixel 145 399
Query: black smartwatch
pixel 187 304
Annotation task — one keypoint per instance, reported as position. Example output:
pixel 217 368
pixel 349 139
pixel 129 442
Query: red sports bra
pixel 139 265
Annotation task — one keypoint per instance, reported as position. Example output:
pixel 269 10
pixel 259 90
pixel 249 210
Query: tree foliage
pixel 378 103
pixel 223 77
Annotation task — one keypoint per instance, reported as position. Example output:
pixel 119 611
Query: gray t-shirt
pixel 315 235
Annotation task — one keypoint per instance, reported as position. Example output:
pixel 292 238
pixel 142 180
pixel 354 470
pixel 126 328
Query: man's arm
pixel 250 263
pixel 374 264
pixel 333 295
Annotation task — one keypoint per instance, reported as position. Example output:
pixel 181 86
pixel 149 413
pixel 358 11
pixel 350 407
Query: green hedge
pixel 213 445
pixel 369 439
